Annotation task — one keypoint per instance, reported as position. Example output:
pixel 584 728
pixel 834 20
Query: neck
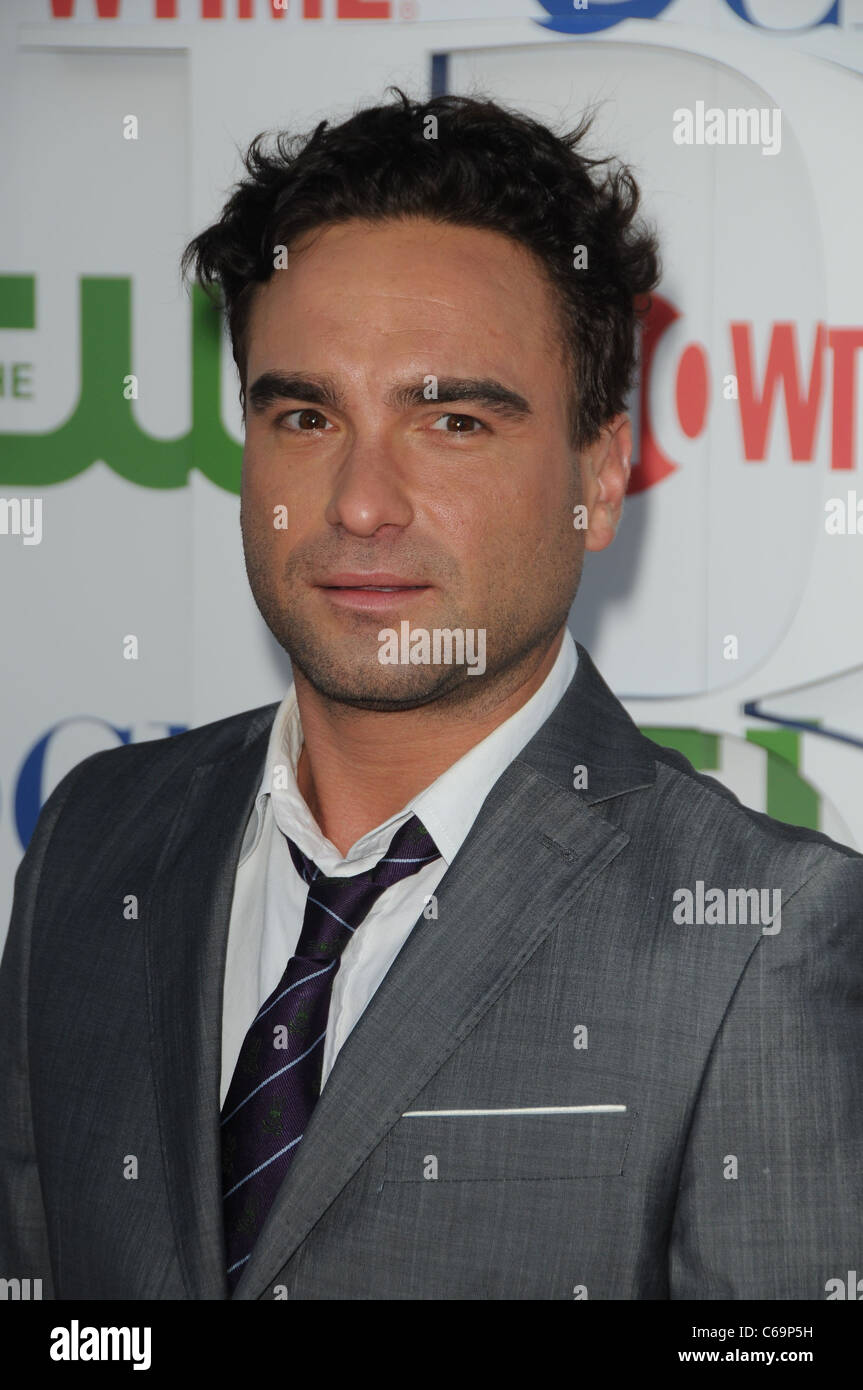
pixel 359 767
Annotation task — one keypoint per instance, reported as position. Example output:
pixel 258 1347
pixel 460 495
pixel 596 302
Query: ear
pixel 606 466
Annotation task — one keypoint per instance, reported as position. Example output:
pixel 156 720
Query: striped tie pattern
pixel 277 1079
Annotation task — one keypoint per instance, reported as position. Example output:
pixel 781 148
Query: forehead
pixel 409 286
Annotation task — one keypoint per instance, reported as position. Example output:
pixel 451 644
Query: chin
pixel 411 689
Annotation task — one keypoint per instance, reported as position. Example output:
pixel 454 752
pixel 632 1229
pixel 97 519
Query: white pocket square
pixel 527 1110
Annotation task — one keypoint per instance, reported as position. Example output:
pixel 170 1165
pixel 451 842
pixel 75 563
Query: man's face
pixel 460 505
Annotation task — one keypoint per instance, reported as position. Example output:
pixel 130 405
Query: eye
pixel 308 422
pixel 452 416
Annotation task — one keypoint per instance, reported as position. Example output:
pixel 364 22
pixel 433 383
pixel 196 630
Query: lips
pixel 375 592
pixel 376 582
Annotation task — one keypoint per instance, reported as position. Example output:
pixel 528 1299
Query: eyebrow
pixel 492 395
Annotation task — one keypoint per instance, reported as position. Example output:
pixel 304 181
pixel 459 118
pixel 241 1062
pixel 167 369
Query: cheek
pixel 537 519
pixel 272 508
pixel 263 473
pixel 551 505
pixel 258 482
pixel 267 521
pixel 504 526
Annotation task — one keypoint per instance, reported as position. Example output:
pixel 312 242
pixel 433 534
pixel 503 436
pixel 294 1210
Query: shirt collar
pixel 447 808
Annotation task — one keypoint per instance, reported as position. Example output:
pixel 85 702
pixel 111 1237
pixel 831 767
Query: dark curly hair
pixel 488 167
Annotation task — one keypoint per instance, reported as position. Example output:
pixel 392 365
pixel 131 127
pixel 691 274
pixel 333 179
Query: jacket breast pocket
pixel 472 1146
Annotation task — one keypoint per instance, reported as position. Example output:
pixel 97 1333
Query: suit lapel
pixel 188 915
pixel 533 849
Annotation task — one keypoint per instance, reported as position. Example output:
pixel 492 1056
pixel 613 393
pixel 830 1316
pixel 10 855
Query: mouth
pixel 371 591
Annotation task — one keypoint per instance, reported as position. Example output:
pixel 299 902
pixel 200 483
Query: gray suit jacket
pixel 555 977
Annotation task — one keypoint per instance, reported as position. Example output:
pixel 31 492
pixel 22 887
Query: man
pixel 437 979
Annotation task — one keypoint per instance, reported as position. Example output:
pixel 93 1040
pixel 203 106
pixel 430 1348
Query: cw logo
pixel 30 794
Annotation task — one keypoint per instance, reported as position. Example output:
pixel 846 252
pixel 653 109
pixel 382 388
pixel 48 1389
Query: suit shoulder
pixel 218 739
pixel 718 811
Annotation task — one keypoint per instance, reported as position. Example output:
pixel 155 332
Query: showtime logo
pixel 246 9
pixel 782 387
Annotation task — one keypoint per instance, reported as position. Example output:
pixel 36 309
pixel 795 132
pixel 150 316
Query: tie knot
pixel 410 848
pixel 336 905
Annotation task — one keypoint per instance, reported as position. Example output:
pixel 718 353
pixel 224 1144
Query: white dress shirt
pixel 269 895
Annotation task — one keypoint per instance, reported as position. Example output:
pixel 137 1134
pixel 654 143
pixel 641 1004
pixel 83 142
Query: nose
pixel 369 491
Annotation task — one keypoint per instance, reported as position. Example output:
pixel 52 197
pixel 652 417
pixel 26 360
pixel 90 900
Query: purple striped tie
pixel 277 1079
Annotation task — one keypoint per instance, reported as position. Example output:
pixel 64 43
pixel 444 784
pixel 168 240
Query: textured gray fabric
pixel 723 1042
